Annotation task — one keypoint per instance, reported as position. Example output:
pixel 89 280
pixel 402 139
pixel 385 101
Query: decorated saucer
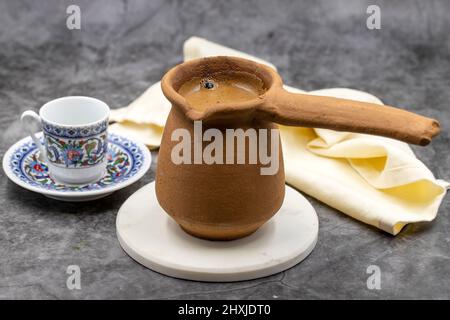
pixel 128 161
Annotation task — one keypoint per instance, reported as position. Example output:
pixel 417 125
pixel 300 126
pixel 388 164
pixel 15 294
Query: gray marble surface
pixel 124 46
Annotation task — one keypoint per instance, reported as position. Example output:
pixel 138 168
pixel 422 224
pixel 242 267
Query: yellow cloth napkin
pixel 376 180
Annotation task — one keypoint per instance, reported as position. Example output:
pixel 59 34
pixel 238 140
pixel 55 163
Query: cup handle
pixel 34 116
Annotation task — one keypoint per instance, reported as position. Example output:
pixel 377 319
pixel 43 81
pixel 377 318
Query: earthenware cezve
pixel 230 201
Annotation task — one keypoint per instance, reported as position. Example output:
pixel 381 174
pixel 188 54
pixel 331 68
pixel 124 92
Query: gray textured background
pixel 124 46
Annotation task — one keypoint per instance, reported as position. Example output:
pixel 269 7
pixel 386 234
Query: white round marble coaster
pixel 154 239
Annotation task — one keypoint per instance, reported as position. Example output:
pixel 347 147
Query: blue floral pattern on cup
pixel 74 132
pixel 75 147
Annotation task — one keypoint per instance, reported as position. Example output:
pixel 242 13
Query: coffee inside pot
pixel 221 88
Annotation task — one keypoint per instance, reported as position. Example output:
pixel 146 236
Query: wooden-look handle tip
pixel 432 130
pixel 436 127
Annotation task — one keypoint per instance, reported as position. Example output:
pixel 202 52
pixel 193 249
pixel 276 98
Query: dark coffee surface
pixel 125 46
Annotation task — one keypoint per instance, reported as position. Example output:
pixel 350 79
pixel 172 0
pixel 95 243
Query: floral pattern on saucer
pixel 125 160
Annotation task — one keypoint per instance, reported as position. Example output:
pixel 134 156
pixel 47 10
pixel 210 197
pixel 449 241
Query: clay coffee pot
pixel 230 201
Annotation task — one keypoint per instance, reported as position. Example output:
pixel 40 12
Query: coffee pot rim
pixel 202 67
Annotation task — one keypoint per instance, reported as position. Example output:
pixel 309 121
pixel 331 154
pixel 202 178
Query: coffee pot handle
pixel 29 114
pixel 294 109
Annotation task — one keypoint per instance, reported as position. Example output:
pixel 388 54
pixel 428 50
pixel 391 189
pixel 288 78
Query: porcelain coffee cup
pixel 74 138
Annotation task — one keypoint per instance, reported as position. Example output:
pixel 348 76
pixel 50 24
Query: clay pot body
pixel 229 201
pixel 216 201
